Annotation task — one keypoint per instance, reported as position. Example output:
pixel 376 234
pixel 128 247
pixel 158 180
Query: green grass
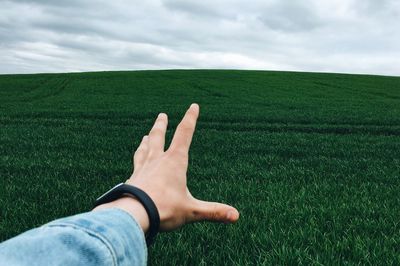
pixel 312 161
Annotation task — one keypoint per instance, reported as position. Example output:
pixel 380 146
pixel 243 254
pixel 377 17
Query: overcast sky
pixel 352 36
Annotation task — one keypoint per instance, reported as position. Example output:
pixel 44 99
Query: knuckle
pixel 214 213
pixel 187 126
pixel 141 148
pixel 156 131
pixel 195 213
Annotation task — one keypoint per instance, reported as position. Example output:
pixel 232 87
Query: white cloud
pixel 337 35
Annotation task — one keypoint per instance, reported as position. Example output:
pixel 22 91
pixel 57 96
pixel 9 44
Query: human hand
pixel 162 175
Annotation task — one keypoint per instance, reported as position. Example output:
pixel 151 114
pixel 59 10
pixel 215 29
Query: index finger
pixel 184 132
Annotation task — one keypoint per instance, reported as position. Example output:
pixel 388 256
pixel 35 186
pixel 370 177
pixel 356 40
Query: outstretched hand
pixel 162 175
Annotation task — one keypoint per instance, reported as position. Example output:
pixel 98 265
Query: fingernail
pixel 229 215
pixel 193 105
pixel 162 115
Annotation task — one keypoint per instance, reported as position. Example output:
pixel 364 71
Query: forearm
pixel 105 237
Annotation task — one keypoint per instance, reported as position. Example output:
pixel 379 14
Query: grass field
pixel 312 161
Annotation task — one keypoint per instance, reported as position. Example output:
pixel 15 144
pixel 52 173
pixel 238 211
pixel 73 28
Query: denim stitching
pixel 92 234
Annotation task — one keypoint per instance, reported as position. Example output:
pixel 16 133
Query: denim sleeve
pixel 104 237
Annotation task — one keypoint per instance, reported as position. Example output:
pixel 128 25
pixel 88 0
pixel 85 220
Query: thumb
pixel 213 211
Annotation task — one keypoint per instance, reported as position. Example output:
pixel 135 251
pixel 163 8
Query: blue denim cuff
pixel 116 229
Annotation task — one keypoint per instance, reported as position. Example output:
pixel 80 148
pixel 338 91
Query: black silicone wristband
pixel 121 189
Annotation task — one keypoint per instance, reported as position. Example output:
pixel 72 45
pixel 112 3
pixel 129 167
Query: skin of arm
pixel 162 175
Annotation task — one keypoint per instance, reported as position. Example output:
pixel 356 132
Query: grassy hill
pixel 312 161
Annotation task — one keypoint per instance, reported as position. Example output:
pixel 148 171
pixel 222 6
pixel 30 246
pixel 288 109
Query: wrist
pixel 131 206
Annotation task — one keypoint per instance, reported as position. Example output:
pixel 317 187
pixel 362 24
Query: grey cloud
pixel 69 3
pixel 198 8
pixel 310 35
pixel 373 7
pixel 291 16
